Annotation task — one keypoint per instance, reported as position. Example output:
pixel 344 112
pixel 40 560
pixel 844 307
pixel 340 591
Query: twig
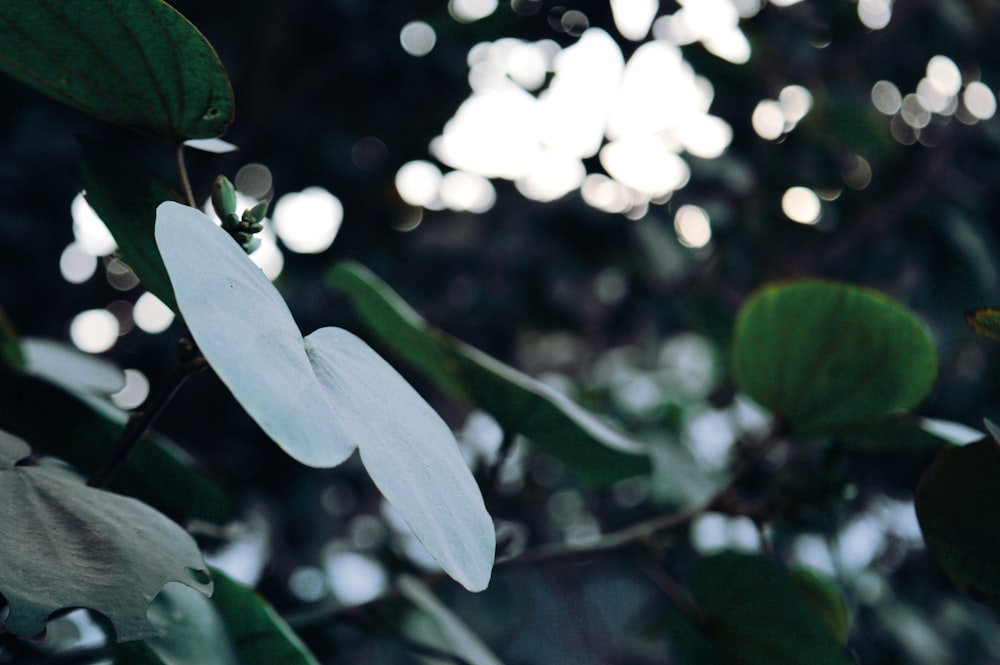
pixel 140 421
pixel 182 172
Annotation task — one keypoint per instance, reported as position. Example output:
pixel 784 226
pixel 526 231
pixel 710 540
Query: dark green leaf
pixel 755 614
pixel 11 354
pixel 825 600
pixel 902 433
pixel 261 636
pixel 136 63
pixel 67 545
pixel 552 421
pixel 191 632
pixel 957 502
pixel 985 321
pixel 823 355
pixel 125 199
pixel 83 430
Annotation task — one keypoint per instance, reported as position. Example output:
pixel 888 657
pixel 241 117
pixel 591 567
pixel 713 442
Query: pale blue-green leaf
pixel 245 331
pixel 64 366
pixel 215 146
pixel 452 631
pixel 322 396
pixel 409 452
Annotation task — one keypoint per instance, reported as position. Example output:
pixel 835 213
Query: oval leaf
pixel 755 614
pixel 261 636
pixel 823 355
pixel 957 502
pixel 555 423
pixel 67 545
pixel 322 396
pixel 136 63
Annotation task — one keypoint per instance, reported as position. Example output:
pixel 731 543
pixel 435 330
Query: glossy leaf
pixel 823 355
pixel 755 614
pixel 68 545
pixel 321 397
pixel 261 636
pixel 125 199
pixel 88 428
pixel 136 63
pixel 957 502
pixel 65 366
pixel 985 321
pixel 190 630
pixel 555 423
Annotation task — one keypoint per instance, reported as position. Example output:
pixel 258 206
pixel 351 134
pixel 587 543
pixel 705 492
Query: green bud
pixel 256 213
pixel 223 197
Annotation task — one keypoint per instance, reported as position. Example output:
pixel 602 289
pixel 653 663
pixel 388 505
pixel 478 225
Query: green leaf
pixel 67 545
pixel 825 600
pixel 824 355
pixel 321 397
pixel 957 502
pixel 11 354
pixel 755 614
pixel 519 403
pixel 261 636
pixel 453 634
pixel 191 632
pixel 136 63
pixel 125 199
pixel 902 433
pixel 985 321
pixel 86 429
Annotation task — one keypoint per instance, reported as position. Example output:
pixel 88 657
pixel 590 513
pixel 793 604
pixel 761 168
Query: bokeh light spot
pixel 886 97
pixel 874 14
pixel 134 393
pixel 467 11
pixel 76 264
pixel 465 191
pixel 417 38
pixel 914 112
pixel 801 204
pixel 944 75
pixel 634 17
pixel 418 182
pixel 151 315
pixel 768 119
pixel 254 180
pixel 692 226
pixel 308 221
pixel 980 100
pixel 94 330
pixel 354 578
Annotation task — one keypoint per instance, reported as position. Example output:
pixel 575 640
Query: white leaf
pixel 409 452
pixel 322 396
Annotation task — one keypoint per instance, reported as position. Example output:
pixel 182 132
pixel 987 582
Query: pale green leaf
pixel 67 545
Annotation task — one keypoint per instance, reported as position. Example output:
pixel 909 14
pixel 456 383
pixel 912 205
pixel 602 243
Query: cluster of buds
pixel 241 227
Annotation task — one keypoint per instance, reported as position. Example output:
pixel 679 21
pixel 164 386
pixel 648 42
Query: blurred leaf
pixel 85 431
pixel 11 354
pixel 321 396
pixel 65 366
pixel 455 636
pixel 895 433
pixel 985 321
pixel 67 545
pixel 261 636
pixel 125 199
pixel 957 502
pixel 556 424
pixel 825 600
pixel 136 63
pixel 687 645
pixel 824 355
pixel 755 613
pixel 191 632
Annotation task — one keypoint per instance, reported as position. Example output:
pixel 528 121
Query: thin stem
pixel 140 421
pixel 182 172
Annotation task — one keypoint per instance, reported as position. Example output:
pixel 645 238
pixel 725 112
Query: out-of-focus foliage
pixel 848 141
